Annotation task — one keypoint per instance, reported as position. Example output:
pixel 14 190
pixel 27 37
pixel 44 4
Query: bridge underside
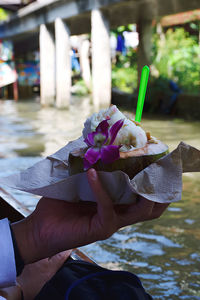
pixel 77 14
pixel 48 25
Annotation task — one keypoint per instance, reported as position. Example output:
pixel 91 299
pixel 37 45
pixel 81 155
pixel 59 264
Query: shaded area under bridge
pixel 48 24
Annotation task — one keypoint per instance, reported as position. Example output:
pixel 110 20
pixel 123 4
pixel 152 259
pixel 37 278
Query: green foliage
pixel 130 59
pixel 3 14
pixel 176 55
pixel 120 29
pixel 124 78
pixel 79 88
pixel 124 71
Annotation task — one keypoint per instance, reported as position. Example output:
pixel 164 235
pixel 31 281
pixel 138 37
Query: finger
pixel 143 209
pixel 58 259
pixel 104 202
pixel 158 209
pixel 136 212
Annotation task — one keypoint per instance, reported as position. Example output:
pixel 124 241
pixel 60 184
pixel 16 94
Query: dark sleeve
pixel 18 259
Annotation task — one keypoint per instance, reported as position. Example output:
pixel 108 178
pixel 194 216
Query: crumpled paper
pixel 160 182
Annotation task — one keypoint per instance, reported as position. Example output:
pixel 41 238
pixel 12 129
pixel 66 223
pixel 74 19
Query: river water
pixel 164 253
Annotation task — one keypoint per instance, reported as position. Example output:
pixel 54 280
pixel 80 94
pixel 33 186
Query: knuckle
pixel 104 235
pixel 146 214
pixel 108 231
pixel 108 234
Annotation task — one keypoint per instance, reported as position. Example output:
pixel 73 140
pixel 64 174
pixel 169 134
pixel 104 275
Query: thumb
pixel 104 202
pixel 59 258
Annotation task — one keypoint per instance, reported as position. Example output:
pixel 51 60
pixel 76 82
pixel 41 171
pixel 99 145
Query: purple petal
pixel 103 127
pixel 92 155
pixel 109 153
pixel 114 130
pixel 86 164
pixel 90 139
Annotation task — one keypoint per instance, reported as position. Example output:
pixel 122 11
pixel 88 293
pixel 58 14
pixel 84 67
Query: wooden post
pixel 101 60
pixel 15 91
pixel 63 64
pixel 47 67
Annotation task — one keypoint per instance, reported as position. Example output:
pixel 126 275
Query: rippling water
pixel 164 253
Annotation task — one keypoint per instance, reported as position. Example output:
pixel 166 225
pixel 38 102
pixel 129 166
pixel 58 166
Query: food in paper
pixel 113 142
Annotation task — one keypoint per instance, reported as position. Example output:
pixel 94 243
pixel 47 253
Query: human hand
pixel 35 275
pixel 57 225
pixel 11 293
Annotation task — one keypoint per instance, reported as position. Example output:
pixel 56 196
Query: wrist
pixel 22 232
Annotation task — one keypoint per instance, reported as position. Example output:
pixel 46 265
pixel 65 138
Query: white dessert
pixel 130 136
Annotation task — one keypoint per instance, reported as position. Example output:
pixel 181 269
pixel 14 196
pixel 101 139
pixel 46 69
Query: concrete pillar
pixel 47 67
pixel 84 61
pixel 101 60
pixel 63 64
pixel 144 28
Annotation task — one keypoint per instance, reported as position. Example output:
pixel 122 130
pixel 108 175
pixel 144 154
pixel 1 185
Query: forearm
pixel 22 234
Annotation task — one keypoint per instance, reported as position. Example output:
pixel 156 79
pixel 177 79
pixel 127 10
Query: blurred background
pixel 60 61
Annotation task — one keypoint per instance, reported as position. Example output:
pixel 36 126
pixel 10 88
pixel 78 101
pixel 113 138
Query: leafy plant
pixel 3 14
pixel 177 56
pixel 125 78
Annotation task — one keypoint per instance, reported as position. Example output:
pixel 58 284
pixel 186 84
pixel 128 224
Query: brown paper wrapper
pixel 160 182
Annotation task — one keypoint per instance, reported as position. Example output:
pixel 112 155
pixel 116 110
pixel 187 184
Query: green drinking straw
pixel 142 92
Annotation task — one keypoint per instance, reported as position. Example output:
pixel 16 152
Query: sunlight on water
pixel 164 253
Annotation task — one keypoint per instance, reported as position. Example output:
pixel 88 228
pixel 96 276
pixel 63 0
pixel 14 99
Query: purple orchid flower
pixel 100 144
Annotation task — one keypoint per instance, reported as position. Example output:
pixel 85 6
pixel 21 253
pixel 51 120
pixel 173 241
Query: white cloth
pixel 7 256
